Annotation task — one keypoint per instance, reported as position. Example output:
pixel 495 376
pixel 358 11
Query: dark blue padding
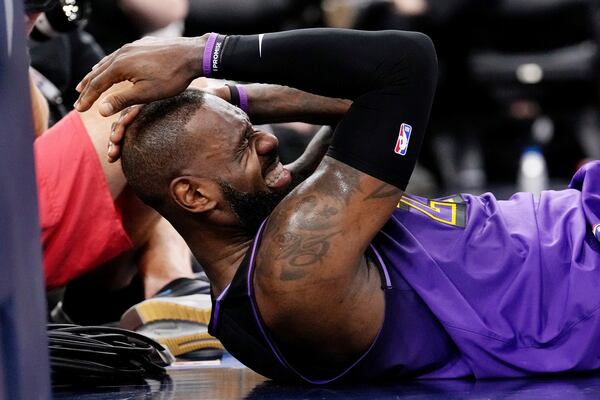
pixel 23 345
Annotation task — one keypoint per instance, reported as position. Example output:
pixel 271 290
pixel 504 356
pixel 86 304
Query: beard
pixel 252 208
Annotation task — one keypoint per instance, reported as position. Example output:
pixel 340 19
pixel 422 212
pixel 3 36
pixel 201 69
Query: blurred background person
pixel 103 249
pixel 116 22
pixel 80 32
pixel 61 54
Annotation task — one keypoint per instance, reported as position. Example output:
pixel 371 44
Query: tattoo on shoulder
pixel 301 230
pixel 304 241
pixel 300 251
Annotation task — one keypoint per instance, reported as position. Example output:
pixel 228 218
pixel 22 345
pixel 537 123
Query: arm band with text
pixel 390 76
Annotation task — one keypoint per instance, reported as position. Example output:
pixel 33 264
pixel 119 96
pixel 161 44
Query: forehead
pixel 217 126
pixel 217 120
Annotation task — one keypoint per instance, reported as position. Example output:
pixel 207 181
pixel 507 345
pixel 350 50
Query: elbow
pixel 416 56
pixel 425 55
pixel 424 58
pixel 425 46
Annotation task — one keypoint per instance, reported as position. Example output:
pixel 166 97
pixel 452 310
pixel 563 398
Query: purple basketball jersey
pixel 473 287
pixel 515 284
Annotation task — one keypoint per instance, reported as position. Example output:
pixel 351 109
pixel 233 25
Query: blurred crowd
pixel 516 106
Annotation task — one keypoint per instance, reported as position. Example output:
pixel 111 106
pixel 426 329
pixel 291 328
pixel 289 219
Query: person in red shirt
pixel 89 217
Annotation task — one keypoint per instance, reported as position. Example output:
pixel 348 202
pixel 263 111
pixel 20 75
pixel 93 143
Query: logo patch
pixel 596 230
pixel 403 139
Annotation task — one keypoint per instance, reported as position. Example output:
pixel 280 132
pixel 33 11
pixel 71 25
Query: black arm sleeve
pixel 390 75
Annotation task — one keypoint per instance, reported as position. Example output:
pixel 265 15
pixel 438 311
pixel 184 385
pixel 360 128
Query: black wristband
pixel 239 97
pixel 234 95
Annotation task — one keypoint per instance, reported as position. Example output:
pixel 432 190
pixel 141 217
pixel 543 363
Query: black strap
pixel 86 355
pixel 234 94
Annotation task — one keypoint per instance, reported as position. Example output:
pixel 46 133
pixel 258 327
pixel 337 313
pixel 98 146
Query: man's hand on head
pixel 118 129
pixel 129 114
pixel 158 68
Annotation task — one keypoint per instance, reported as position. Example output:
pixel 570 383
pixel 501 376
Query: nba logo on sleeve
pixel 403 139
pixel 596 230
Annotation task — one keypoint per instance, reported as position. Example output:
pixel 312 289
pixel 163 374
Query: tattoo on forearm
pixel 382 192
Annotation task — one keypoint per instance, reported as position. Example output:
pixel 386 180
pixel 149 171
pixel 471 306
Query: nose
pixel 266 143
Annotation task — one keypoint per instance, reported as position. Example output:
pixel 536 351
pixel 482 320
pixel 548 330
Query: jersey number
pixel 448 211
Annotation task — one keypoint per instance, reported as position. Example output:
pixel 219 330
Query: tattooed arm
pixel 315 288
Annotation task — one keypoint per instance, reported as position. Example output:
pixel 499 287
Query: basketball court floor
pixel 229 380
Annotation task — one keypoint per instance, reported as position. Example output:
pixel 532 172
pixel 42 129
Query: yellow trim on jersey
pixel 428 209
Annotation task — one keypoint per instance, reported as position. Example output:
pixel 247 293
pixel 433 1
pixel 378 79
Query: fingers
pixel 170 62
pixel 118 132
pixel 114 152
pixel 98 84
pixel 104 60
pixel 99 67
pixel 84 102
pixel 127 117
pixel 138 93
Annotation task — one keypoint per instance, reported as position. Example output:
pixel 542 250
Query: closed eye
pixel 244 142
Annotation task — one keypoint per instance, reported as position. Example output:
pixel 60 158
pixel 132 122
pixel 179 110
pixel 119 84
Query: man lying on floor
pixel 346 278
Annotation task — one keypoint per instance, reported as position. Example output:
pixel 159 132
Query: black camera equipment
pixel 36 6
pixel 60 17
pixel 81 355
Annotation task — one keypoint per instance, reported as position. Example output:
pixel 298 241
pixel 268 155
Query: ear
pixel 193 194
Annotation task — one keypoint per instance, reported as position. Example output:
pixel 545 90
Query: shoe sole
pixel 158 317
pixel 186 344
